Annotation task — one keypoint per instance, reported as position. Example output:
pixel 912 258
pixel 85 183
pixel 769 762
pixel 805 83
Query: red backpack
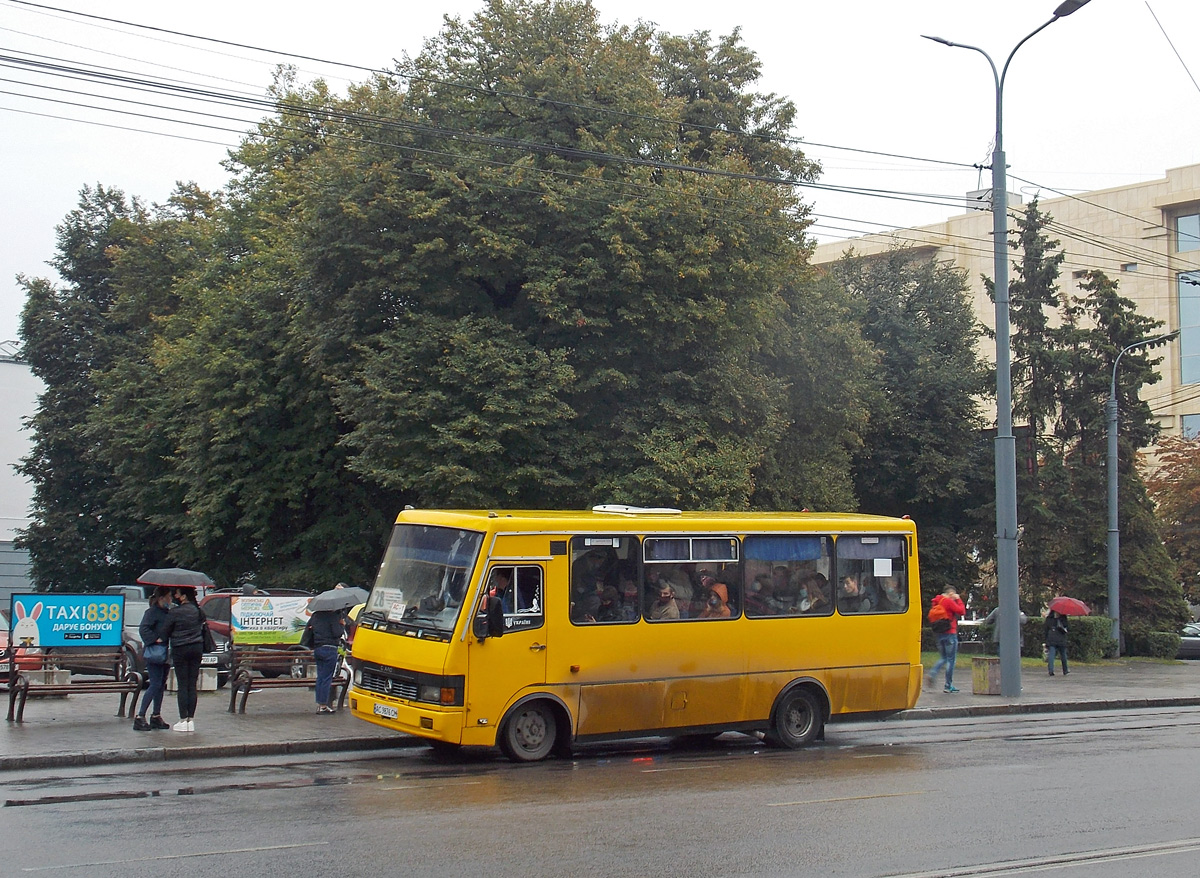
pixel 939 618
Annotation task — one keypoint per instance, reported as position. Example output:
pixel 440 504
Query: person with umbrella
pixel 184 630
pixel 154 645
pixel 1056 640
pixel 325 629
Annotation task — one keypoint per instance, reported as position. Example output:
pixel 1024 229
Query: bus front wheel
pixel 798 719
pixel 529 733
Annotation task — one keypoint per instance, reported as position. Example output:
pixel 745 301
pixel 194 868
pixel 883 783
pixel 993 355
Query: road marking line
pixel 433 786
pixel 255 850
pixel 848 799
pixel 1063 861
pixel 684 768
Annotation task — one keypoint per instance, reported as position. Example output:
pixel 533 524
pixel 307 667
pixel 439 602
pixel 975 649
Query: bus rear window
pixel 872 574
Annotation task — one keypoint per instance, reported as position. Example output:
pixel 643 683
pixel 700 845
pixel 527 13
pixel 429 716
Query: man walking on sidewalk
pixel 951 604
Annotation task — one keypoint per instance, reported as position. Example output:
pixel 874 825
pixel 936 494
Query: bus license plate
pixel 386 710
pixel 208 660
pixel 5 668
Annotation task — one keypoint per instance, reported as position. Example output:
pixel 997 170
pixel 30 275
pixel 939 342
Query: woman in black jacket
pixel 184 630
pixel 156 671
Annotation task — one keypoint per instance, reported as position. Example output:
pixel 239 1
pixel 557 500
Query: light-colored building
pixel 19 390
pixel 1145 236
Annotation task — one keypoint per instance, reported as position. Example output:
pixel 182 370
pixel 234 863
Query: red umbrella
pixel 1069 606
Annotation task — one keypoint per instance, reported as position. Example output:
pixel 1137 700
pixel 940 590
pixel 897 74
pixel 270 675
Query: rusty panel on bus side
pixel 614 708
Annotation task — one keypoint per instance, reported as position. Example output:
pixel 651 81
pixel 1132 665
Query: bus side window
pixel 872 575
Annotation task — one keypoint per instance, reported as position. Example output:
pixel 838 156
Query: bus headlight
pixel 446 691
pixel 430 693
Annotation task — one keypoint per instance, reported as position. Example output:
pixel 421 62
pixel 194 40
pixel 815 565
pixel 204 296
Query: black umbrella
pixel 338 599
pixel 176 577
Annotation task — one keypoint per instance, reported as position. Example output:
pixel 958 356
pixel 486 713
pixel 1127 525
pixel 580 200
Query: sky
pixel 1105 97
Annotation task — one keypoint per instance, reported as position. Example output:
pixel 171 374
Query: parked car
pixel 72 658
pixel 82 660
pixel 218 608
pixel 140 592
pixel 1189 641
pixel 132 592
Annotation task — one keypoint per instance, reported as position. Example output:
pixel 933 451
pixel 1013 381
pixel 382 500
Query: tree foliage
pixel 923 452
pixel 551 264
pixel 1062 372
pixel 1174 484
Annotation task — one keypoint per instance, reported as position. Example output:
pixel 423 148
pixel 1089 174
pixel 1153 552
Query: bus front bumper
pixel 409 717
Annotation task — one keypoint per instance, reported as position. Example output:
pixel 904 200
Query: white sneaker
pixel 191 725
pixel 184 725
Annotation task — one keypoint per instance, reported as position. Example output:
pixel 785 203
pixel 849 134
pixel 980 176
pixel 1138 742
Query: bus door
pixel 501 665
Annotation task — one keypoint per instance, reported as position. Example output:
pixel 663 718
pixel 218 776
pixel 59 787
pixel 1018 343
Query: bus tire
pixel 797 719
pixel 529 732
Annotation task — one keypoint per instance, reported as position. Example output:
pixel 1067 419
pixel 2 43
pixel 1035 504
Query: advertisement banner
pixel 267 619
pixel 44 620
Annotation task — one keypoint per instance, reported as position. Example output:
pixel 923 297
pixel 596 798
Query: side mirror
pixel 489 622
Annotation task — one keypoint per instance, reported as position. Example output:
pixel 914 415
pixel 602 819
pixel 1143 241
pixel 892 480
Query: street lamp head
pixel 1068 6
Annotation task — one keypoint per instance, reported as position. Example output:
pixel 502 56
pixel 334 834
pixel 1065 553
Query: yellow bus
pixel 534 630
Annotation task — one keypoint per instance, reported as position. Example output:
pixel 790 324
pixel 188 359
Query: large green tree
pixel 78 538
pixel 923 451
pixel 576 205
pixel 550 263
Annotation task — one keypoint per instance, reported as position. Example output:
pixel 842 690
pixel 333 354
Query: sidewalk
pixel 1112 685
pixel 83 729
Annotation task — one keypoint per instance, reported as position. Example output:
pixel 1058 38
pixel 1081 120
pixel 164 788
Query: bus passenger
pixel 851 598
pixel 610 606
pixel 654 580
pixel 717 604
pixel 589 566
pixel 498 587
pixel 817 600
pixel 891 598
pixel 664 607
pixel 631 611
pixel 760 597
pixel 585 598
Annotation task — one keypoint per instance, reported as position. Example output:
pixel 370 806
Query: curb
pixel 1045 707
pixel 205 751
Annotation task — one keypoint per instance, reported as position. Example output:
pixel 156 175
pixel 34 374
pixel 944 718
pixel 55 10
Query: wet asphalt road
pixel 1086 794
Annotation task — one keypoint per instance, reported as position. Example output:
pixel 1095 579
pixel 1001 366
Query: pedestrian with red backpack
pixel 946 609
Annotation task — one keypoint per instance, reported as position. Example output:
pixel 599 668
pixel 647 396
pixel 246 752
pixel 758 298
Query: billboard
pixel 267 618
pixel 44 620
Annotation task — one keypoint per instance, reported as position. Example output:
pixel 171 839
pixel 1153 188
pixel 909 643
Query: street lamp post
pixel 1114 533
pixel 1006 456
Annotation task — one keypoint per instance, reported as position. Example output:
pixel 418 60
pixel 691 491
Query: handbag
pixel 307 638
pixel 155 654
pixel 206 637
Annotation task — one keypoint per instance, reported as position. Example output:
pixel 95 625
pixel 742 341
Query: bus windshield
pixel 423 578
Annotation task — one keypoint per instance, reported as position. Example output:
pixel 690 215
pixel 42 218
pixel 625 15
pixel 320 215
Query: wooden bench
pixel 259 668
pixel 108 663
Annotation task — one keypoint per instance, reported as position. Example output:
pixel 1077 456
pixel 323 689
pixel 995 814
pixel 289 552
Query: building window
pixel 1191 426
pixel 1129 266
pixel 1189 327
pixel 1187 232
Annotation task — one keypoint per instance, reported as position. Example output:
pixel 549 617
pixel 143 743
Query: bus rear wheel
pixel 797 720
pixel 529 733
